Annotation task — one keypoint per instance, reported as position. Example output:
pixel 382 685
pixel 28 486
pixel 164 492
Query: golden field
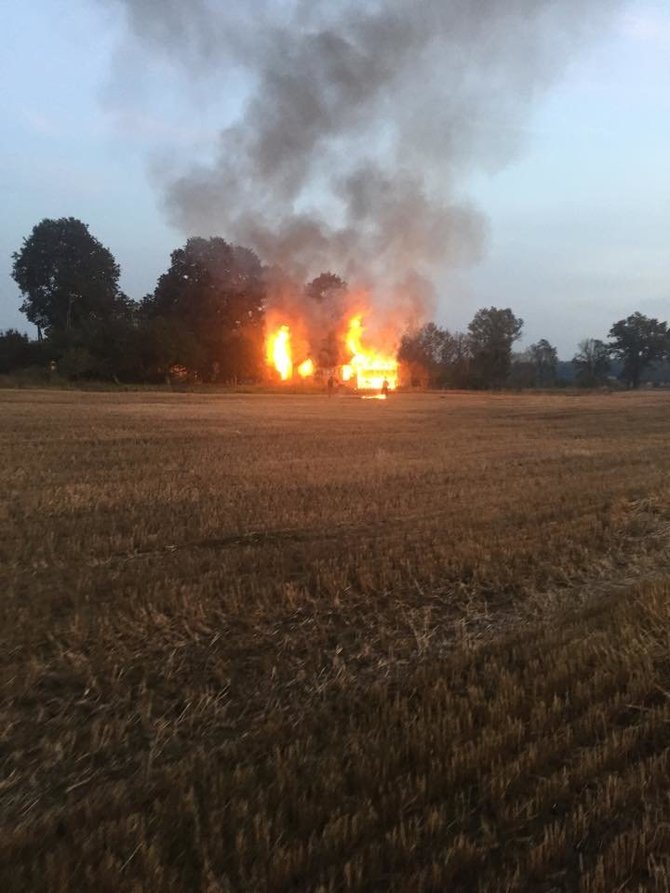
pixel 286 642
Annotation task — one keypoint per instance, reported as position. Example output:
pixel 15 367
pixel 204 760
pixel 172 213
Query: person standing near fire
pixel 331 385
pixel 385 388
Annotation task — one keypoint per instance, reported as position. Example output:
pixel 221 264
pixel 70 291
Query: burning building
pixel 350 356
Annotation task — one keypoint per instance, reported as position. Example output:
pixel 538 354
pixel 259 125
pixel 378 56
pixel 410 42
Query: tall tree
pixel 423 352
pixel 455 360
pixel 66 276
pixel 212 296
pixel 544 358
pixel 591 363
pixel 328 291
pixel 492 333
pixel 638 341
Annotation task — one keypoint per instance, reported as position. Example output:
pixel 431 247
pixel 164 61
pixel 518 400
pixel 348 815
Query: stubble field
pixel 273 642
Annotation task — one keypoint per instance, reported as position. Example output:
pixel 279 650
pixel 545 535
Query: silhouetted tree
pixel 638 341
pixel 544 358
pixel 329 352
pixel 436 357
pixel 423 352
pixel 66 277
pixel 326 287
pixel 455 360
pixel 523 371
pixel 328 291
pixel 591 363
pixel 212 300
pixel 15 351
pixel 492 333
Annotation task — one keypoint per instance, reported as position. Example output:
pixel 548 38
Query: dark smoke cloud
pixel 362 122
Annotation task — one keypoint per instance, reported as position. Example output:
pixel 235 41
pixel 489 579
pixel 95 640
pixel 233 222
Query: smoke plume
pixel 362 121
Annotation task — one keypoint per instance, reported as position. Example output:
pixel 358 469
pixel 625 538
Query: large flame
pixel 369 369
pixel 279 352
pixel 374 371
pixel 306 368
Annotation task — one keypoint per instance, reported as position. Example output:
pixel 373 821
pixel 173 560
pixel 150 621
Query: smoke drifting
pixel 362 121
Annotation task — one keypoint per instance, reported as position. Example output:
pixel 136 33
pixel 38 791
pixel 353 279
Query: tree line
pixel 206 317
pixel 483 356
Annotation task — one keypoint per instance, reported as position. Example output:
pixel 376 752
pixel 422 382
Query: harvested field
pixel 282 642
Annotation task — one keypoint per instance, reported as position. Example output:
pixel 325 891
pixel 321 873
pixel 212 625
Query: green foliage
pixel 206 313
pixel 15 351
pixel 77 362
pixel 212 303
pixel 492 332
pixel 536 367
pixel 67 278
pixel 544 358
pixel 18 352
pixel 639 342
pixel 456 356
pixel 206 317
pixel 434 356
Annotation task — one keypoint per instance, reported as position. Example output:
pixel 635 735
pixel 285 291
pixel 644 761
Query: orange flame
pixel 279 352
pixel 367 368
pixel 306 369
pixel 371 368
